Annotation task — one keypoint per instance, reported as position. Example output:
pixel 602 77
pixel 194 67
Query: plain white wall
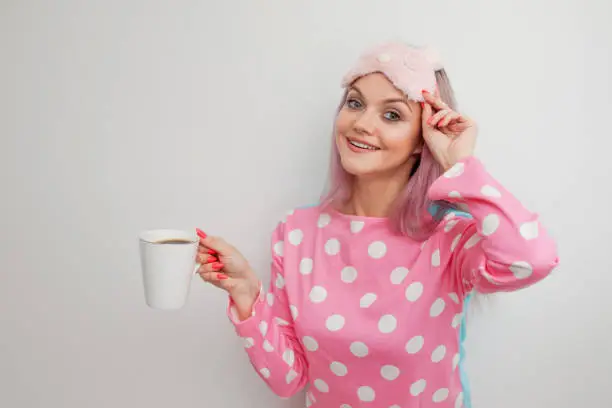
pixel 118 116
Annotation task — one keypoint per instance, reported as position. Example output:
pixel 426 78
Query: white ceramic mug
pixel 167 268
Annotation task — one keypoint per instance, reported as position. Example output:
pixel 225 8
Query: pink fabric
pixel 411 69
pixel 367 318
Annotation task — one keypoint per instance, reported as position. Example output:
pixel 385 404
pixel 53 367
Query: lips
pixel 360 145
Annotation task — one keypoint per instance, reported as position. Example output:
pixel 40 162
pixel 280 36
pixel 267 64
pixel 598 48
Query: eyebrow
pixel 391 100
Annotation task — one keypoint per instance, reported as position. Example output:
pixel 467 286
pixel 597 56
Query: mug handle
pixel 195 270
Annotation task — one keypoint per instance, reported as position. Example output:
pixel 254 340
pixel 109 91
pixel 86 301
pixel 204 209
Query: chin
pixel 357 169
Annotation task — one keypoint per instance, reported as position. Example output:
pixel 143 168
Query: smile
pixel 361 146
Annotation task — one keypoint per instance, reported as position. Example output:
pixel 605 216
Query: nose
pixel 365 123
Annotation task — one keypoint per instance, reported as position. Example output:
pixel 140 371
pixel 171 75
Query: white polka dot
pixel 267 346
pixel 384 58
pixel 490 191
pixel 359 349
pixel 263 327
pixel 459 400
pixel 395 406
pixel 248 342
pixel 291 375
pixel 437 308
pixel 366 394
pixel 265 373
pixel 415 344
pixel 457 320
pixel 435 258
pixel 280 281
pixel 529 230
pixel 321 385
pixel 296 236
pixel 440 395
pixel 398 275
pixel 332 246
pixel 289 357
pixel 455 242
pixel 308 400
pixel 387 324
pixel 306 265
pixel 490 224
pixel 521 269
pixel 455 171
pixel 414 291
pixel 367 300
pixel 455 361
pixel 338 368
pixel 348 274
pixel 294 311
pixel 270 299
pixel 324 220
pixel 474 239
pixel 454 297
pixel 281 322
pixel 454 194
pixel 438 354
pixel 345 406
pixel 377 249
pixel 418 387
pixel 310 343
pixel 356 226
pixel 450 225
pixel 389 372
pixel 317 294
pixel 334 322
pixel 279 248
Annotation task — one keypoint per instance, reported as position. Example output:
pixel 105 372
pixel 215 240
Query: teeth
pixel 363 146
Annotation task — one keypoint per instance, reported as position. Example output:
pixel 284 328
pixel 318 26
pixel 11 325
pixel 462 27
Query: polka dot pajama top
pixel 367 318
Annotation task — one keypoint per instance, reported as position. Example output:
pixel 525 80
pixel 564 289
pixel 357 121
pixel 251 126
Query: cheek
pixel 402 141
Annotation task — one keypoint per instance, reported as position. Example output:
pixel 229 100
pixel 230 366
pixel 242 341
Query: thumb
pixel 217 244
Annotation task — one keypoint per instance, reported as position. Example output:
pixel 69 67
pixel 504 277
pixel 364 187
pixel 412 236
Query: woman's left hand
pixel 449 135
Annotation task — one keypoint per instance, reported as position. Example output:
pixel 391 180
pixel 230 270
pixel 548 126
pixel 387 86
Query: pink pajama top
pixel 367 318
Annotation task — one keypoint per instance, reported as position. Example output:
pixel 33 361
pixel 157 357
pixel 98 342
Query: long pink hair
pixel 411 214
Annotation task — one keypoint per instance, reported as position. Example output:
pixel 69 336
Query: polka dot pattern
pixel 378 322
pixel 377 249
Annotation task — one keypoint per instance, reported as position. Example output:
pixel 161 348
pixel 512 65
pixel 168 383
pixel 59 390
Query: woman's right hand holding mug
pixel 225 267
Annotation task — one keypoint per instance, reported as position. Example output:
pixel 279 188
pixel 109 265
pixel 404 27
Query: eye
pixel 353 103
pixel 392 116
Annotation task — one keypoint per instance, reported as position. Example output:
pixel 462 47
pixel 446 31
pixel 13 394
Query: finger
pixel 210 267
pixel 206 259
pixel 447 119
pixel 433 121
pixel 426 114
pixel 216 278
pixel 217 244
pixel 435 101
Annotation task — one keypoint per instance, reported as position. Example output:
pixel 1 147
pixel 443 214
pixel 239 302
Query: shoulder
pixel 299 218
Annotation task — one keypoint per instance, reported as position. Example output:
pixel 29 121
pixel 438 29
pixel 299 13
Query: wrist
pixel 244 296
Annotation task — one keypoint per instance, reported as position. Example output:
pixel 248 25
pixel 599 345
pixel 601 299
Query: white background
pixel 118 116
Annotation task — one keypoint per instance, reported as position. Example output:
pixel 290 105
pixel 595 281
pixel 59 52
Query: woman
pixel 368 288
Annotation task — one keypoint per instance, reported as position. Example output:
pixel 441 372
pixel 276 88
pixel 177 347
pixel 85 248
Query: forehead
pixel 377 86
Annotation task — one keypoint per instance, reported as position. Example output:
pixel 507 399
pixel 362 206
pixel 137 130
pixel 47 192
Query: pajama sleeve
pixel 268 334
pixel 501 247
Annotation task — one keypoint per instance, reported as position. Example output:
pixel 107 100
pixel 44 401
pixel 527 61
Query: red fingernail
pixel 212 259
pixel 422 104
pixel 217 266
pixel 212 252
pixel 201 233
pixel 424 91
pixel 221 276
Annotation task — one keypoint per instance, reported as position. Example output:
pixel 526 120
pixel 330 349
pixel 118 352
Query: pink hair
pixel 410 215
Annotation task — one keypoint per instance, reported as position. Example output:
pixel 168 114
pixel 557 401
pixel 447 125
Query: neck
pixel 374 196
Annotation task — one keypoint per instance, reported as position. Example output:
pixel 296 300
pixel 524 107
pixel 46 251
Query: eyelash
pixel 349 104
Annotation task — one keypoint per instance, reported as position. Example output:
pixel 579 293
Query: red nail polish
pixel 422 104
pixel 221 276
pixel 212 252
pixel 217 266
pixel 212 259
pixel 201 233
